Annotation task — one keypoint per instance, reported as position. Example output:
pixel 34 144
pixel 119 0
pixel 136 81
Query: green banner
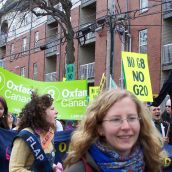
pixel 70 98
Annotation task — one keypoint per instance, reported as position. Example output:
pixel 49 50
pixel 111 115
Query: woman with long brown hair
pixel 115 135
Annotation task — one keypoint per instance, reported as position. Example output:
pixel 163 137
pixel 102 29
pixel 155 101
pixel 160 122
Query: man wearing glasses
pixel 167 116
pixel 162 126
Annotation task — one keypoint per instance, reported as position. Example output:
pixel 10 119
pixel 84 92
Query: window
pixel 26 20
pixel 24 44
pixel 23 71
pixel 36 43
pixel 143 41
pixel 12 55
pixel 12 49
pixel 35 71
pixel 143 5
pixel 1 63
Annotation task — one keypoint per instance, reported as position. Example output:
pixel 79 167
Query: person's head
pixel 17 120
pixel 39 113
pixel 120 120
pixel 3 107
pixel 168 106
pixel 156 113
pixel 3 113
pixel 119 125
pixel 10 120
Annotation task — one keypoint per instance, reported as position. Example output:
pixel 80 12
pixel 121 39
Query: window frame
pixel 140 39
pixel 36 40
pixel 35 73
pixel 143 7
pixel 24 45
pixel 23 71
pixel 12 51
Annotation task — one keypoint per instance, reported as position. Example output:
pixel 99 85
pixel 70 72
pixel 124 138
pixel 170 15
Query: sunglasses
pixel 168 106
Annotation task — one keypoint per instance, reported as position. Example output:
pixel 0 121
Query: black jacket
pixel 167 117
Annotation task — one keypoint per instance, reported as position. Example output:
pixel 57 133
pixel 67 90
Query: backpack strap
pixel 41 162
pixel 86 165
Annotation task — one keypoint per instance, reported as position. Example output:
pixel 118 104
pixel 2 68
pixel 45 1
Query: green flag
pixel 70 98
pixel 112 84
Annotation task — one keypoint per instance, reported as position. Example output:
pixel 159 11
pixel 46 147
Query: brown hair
pixel 87 133
pixel 3 118
pixel 34 113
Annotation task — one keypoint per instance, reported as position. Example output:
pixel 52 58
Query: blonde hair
pixel 87 133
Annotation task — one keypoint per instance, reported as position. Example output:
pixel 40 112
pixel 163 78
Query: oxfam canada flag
pixel 70 97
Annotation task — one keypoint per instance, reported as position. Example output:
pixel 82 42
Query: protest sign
pixel 70 72
pixel 93 92
pixel 103 82
pixel 137 77
pixel 70 98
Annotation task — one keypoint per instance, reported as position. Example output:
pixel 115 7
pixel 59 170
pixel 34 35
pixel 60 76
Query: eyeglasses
pixel 156 109
pixel 168 106
pixel 118 121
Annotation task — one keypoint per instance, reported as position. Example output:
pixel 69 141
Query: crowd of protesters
pixel 118 132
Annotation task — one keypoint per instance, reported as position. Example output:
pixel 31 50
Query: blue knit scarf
pixel 110 161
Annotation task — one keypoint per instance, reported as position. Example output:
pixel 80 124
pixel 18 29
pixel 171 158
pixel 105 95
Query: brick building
pixel 143 35
pixel 166 58
pixel 102 29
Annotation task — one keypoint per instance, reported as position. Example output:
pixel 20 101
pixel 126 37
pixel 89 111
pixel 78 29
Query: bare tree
pixel 61 15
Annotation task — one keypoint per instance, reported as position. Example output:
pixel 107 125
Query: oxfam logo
pixel 53 91
pixel 2 81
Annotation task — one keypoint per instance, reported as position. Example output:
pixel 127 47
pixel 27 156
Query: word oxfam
pixel 71 98
pixel 11 87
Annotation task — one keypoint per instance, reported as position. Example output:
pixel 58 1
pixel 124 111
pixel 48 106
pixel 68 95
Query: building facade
pixel 166 58
pixel 102 30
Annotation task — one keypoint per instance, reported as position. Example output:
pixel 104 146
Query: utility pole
pixel 122 49
pixel 30 33
pixel 111 46
pixel 123 46
pixel 110 43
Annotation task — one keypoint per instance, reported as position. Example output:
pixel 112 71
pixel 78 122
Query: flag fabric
pixel 6 138
pixel 61 142
pixel 112 84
